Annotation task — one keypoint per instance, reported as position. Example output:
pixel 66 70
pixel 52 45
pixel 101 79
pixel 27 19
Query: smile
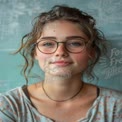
pixel 61 63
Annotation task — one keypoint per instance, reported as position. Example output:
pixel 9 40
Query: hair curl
pixel 62 12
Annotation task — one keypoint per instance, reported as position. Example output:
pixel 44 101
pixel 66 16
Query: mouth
pixel 61 63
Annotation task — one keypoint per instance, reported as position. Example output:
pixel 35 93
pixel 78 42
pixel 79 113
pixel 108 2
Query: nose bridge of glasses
pixel 61 43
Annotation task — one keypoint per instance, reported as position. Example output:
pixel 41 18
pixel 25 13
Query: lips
pixel 61 63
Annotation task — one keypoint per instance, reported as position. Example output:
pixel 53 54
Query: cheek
pixel 42 59
pixel 82 59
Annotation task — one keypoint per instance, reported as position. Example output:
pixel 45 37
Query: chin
pixel 62 74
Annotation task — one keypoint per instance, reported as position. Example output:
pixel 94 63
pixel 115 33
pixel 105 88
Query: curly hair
pixel 62 12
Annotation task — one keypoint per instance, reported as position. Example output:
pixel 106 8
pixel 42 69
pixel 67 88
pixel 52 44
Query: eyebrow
pixel 69 37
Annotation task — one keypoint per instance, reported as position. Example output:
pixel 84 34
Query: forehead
pixel 62 29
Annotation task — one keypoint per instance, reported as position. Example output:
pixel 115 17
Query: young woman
pixel 67 45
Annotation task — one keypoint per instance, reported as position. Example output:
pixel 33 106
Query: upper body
pixel 67 45
pixel 16 106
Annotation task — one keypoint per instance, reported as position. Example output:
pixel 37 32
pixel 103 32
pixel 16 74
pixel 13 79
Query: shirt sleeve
pixel 118 111
pixel 7 114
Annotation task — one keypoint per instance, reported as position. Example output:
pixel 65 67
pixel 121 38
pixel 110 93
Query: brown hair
pixel 62 12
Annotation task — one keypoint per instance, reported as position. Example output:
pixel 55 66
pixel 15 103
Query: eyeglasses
pixel 49 46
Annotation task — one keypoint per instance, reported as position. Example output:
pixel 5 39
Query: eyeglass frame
pixel 57 43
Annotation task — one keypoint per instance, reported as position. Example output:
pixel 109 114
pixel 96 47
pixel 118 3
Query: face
pixel 61 62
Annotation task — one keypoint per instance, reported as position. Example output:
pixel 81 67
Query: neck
pixel 65 88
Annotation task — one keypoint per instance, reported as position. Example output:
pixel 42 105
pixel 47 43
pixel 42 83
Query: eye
pixel 47 44
pixel 76 43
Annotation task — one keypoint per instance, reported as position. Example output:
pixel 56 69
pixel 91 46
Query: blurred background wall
pixel 16 20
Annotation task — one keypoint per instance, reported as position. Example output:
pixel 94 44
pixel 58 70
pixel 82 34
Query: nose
pixel 61 50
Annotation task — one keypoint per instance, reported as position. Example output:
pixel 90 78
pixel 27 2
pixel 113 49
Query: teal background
pixel 15 21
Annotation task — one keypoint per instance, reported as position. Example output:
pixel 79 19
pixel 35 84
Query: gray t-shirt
pixel 16 107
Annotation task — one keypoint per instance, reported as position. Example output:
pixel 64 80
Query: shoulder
pixel 10 103
pixel 111 102
pixel 111 99
pixel 14 93
pixel 11 97
pixel 110 93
